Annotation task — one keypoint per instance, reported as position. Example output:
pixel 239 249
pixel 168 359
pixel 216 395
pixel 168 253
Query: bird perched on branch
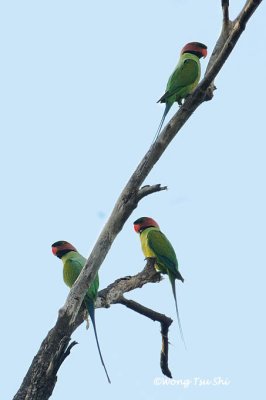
pixel 156 245
pixel 184 79
pixel 73 262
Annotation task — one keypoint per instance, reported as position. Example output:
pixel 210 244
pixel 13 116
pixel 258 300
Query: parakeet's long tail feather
pixel 166 110
pixel 91 310
pixel 172 280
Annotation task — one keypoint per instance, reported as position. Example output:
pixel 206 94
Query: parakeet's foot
pixel 185 98
pixel 154 265
pixel 151 258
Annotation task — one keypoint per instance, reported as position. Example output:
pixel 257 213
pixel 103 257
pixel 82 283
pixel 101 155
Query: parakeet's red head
pixel 143 223
pixel 196 48
pixel 62 247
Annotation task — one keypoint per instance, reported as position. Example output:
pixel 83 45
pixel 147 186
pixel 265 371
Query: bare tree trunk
pixel 41 377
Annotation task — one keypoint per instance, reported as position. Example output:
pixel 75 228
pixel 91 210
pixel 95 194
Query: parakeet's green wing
pixel 72 269
pixel 186 74
pixel 73 263
pixel 167 261
pixel 163 249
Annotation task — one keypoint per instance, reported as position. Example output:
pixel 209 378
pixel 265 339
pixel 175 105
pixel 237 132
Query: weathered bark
pixel 41 377
pixel 128 199
pixel 165 324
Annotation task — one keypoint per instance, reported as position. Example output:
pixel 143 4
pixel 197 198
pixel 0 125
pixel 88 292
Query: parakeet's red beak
pixel 54 250
pixel 204 53
pixel 136 228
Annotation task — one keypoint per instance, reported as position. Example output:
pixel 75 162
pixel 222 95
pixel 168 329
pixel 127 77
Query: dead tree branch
pixel 39 381
pixel 165 323
pixel 225 7
pixel 128 199
pixel 114 292
pixel 42 373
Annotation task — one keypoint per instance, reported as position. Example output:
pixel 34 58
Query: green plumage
pixel 155 244
pixel 183 80
pixel 73 262
pixel 181 83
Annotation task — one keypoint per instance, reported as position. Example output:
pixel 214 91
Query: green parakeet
pixel 73 262
pixel 185 77
pixel 156 245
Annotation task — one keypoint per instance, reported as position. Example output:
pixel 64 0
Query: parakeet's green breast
pixel 146 248
pixel 147 251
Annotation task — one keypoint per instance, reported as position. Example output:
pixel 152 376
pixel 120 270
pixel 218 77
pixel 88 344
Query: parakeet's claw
pixel 149 258
pixel 153 260
pixel 157 269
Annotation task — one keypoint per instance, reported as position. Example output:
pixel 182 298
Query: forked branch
pixel 165 324
pixel 38 384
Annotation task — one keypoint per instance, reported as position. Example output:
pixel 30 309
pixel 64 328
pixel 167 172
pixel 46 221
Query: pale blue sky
pixel 79 85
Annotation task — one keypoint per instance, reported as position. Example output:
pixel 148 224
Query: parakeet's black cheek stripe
pixel 61 253
pixel 146 227
pixel 196 53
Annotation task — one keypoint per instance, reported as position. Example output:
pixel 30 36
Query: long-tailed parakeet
pixel 73 262
pixel 185 77
pixel 156 245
